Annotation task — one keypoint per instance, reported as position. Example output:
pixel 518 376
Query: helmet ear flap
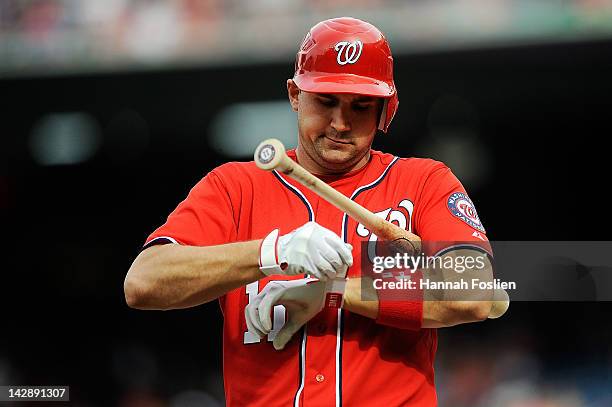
pixel 387 112
pixel 382 121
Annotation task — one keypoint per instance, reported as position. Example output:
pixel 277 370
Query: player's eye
pixel 327 102
pixel 360 107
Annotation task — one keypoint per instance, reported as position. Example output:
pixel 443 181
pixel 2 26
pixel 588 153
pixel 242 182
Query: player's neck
pixel 310 164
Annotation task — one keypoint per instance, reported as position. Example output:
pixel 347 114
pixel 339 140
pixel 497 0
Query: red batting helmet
pixel 346 55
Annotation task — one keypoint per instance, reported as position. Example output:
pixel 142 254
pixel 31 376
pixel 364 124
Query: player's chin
pixel 337 154
pixel 333 147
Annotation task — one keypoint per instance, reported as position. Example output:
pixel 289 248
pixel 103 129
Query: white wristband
pixel 268 256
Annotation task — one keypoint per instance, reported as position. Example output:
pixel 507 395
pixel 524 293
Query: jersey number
pixel 252 290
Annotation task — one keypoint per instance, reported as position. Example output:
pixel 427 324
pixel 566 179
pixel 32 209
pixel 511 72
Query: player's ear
pixel 293 91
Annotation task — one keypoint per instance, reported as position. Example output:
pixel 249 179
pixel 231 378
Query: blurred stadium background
pixel 111 110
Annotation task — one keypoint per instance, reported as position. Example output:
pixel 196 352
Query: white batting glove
pixel 309 249
pixel 303 299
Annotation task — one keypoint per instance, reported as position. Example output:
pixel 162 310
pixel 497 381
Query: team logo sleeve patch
pixel 461 206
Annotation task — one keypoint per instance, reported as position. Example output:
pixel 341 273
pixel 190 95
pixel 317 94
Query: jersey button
pixel 319 378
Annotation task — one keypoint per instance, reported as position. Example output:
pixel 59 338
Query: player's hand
pixel 303 299
pixel 309 249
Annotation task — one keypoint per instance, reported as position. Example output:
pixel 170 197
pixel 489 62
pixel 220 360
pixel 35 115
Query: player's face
pixel 335 130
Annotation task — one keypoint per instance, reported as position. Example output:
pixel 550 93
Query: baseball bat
pixel 270 155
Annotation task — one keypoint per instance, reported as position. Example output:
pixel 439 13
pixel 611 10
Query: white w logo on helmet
pixel 348 52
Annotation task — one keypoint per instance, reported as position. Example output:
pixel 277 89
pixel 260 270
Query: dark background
pixel 71 232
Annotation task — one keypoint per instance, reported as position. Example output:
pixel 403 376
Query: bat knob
pixel 269 154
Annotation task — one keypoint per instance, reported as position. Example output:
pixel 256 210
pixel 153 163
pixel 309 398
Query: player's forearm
pixel 449 307
pixel 175 276
pixel 362 302
pixel 442 314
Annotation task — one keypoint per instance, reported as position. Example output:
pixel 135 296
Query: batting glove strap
pixel 268 255
pixel 334 292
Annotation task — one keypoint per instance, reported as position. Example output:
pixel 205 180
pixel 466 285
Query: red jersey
pixel 339 358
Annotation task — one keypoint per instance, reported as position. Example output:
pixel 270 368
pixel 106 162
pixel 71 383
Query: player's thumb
pixel 285 334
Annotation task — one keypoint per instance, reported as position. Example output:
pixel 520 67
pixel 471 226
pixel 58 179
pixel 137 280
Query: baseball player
pixel 267 248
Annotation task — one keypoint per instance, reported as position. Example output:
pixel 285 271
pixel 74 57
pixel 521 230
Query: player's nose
pixel 341 120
